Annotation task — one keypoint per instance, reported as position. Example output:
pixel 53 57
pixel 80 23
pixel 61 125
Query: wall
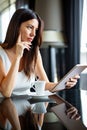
pixel 51 12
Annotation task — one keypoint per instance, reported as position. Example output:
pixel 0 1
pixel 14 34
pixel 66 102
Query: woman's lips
pixel 30 39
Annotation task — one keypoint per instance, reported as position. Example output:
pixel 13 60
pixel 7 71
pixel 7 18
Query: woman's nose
pixel 33 33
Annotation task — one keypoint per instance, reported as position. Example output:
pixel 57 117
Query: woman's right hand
pixel 20 46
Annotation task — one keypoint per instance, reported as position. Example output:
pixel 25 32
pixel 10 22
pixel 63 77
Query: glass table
pixel 48 112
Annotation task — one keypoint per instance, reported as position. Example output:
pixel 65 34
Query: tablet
pixel 69 123
pixel 76 70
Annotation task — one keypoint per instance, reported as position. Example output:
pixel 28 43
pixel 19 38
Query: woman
pixel 20 58
pixel 16 114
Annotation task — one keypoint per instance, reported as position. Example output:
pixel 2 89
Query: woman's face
pixel 28 30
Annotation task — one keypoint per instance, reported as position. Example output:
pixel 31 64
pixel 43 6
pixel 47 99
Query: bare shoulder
pixel 1 61
pixel 2 69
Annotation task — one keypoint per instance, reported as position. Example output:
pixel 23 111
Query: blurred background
pixel 64 40
pixel 64 37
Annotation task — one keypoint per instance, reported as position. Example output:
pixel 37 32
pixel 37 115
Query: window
pixel 83 50
pixel 83 60
pixel 83 47
pixel 6 12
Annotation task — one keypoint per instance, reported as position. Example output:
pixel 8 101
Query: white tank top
pixel 23 83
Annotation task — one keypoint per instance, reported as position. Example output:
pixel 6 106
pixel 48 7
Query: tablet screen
pixel 76 70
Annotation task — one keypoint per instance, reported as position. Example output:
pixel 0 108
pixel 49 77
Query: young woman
pixel 20 58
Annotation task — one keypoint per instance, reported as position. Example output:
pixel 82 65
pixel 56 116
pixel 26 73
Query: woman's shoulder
pixel 2 51
pixel 1 48
pixel 4 58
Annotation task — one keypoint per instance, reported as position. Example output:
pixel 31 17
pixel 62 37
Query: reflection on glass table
pixel 21 115
pixel 8 115
pixel 24 113
pixel 78 98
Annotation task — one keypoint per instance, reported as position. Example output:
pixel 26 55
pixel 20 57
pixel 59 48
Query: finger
pixel 77 117
pixel 73 116
pixel 19 38
pixel 73 80
pixel 70 84
pixel 70 109
pixel 26 45
pixel 77 76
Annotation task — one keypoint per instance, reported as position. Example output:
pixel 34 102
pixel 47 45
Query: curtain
pixel 73 16
pixel 73 28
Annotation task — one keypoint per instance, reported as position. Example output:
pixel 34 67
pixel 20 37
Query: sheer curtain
pixel 83 48
pixel 5 18
pixel 83 60
pixel 6 11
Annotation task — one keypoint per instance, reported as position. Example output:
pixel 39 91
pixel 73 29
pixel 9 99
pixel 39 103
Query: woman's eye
pixel 29 27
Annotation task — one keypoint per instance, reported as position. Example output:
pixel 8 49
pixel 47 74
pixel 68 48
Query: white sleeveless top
pixel 23 84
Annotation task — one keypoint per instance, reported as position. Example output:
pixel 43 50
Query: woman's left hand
pixel 72 82
pixel 72 113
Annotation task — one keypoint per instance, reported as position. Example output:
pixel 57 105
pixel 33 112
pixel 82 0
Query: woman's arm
pixel 7 81
pixel 40 72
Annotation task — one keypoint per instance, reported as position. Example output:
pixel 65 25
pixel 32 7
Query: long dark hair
pixel 21 15
pixel 28 121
